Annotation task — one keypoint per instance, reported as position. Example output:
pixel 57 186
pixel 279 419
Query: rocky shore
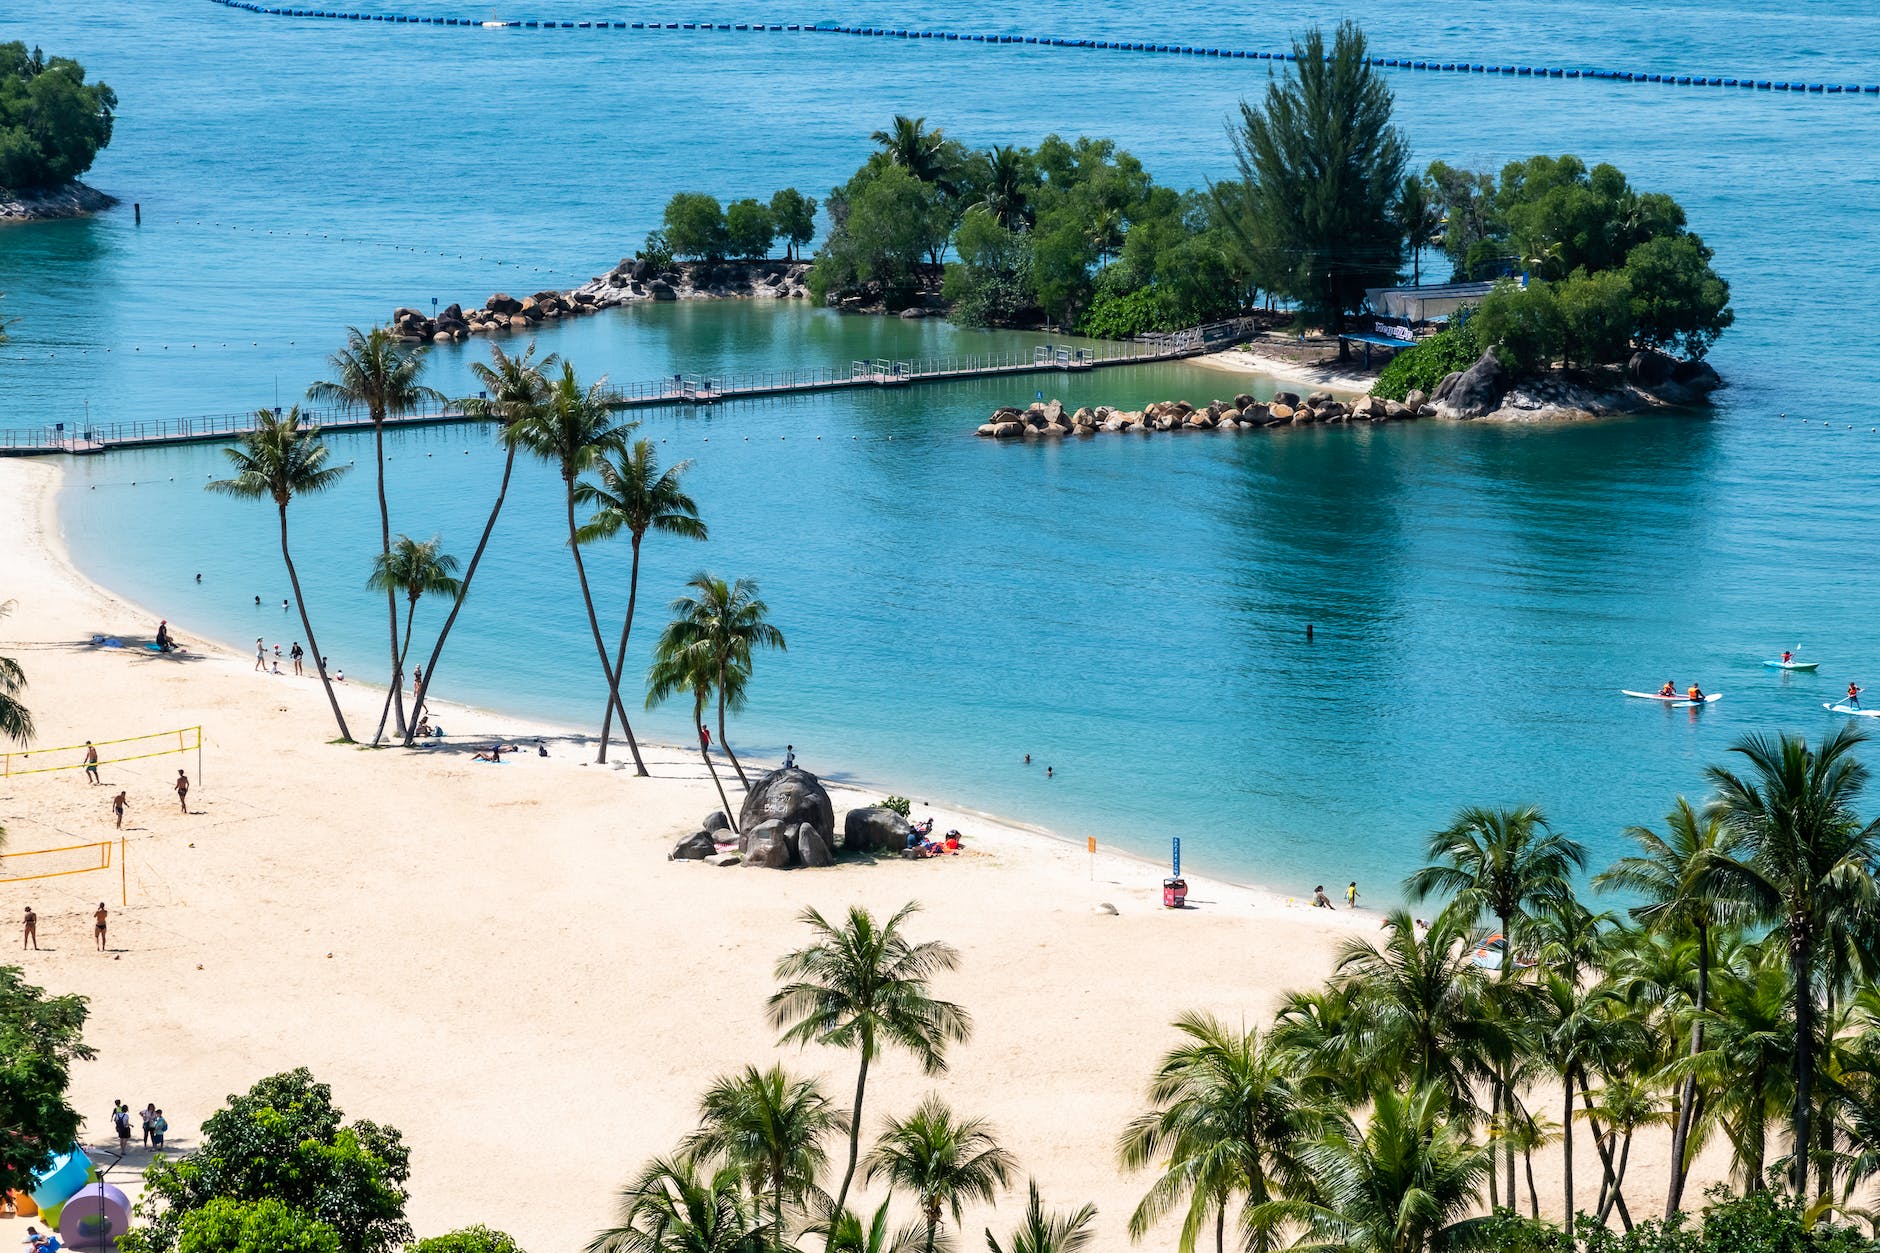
pixel 787 820
pixel 1242 413
pixel 633 281
pixel 70 201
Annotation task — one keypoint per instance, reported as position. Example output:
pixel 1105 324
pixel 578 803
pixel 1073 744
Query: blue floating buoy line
pixel 887 32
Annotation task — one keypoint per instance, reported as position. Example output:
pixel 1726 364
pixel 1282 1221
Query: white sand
pixel 1248 359
pixel 501 962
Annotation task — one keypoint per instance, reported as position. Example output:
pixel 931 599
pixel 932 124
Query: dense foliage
pixel 264 1226
pixel 696 227
pixel 477 1239
pixel 40 1037
pixel 282 1141
pixel 1760 1222
pixel 52 122
pixel 1423 365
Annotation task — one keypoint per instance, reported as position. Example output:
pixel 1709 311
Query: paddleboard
pixel 1849 709
pixel 1791 665
pixel 1674 701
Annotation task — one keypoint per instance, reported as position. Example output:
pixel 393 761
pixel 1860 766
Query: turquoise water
pixel 1131 612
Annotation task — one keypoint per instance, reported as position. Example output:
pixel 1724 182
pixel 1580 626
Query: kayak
pixel 1849 709
pixel 1676 702
pixel 1792 665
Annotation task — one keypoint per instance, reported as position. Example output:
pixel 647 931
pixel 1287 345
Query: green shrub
pixel 1121 314
pixel 265 1226
pixel 1422 367
pixel 1523 324
pixel 656 252
pixel 52 122
pixel 477 1239
pixel 899 804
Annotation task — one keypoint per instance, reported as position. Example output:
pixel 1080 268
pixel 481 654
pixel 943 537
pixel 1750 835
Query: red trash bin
pixel 1174 893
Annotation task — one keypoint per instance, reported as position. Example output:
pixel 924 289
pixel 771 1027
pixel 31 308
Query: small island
pixel 53 124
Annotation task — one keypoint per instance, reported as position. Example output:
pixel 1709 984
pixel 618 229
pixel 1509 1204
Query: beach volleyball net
pixel 54 863
pixel 110 752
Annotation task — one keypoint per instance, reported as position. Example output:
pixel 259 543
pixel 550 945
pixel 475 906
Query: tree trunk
pixel 620 669
pixel 1618 1179
pixel 724 742
pixel 1534 1197
pixel 313 645
pixel 1220 1228
pixel 594 623
pixel 1824 1166
pixel 1507 972
pixel 411 610
pixel 463 594
pixel 391 594
pixel 1801 968
pixel 1687 1092
pixel 1605 1152
pixel 1566 1157
pixel 855 1128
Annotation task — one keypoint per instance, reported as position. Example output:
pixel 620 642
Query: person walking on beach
pixel 118 805
pixel 29 933
pixel 121 1123
pixel 704 737
pixel 417 679
pixel 297 652
pixel 98 921
pixel 91 763
pixel 1351 894
pixel 261 655
pixel 149 1116
pixel 182 790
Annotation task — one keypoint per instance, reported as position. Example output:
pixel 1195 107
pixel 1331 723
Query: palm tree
pixel 1575 1034
pixel 374 372
pixel 1749 1048
pixel 636 496
pixel 729 622
pixel 1670 872
pixel 573 430
pixel 1402 1184
pixel 1805 866
pixel 512 388
pixel 842 1232
pixel 1317 1032
pixel 1224 1121
pixel 909 144
pixel 16 721
pixel 770 1129
pixel 278 461
pixel 671 1207
pixel 944 1160
pixel 417 569
pixel 1503 863
pixel 1421 219
pixel 687 668
pixel 1008 178
pixel 1040 1232
pixel 864 986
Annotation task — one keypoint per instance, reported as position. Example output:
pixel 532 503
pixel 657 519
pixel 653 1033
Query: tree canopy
pixel 40 1037
pixel 52 122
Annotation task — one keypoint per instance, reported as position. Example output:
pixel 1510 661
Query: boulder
pixel 1699 376
pixel 715 821
pixel 1427 411
pixel 1318 398
pixel 874 830
pixel 1008 430
pixel 662 290
pixel 1480 388
pixel 695 847
pixel 767 844
pixel 1290 399
pixel 811 848
pixel 1255 412
pixel 1054 411
pixel 1416 399
pixel 442 337
pixel 1244 402
pixel 500 303
pixel 1395 410
pixel 985 430
pixel 789 796
pixel 1650 368
pixel 517 322
pixel 1084 417
pixel 1447 385
pixel 913 314
pixel 1280 411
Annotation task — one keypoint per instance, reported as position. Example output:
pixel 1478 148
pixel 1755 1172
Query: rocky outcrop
pixel 73 200
pixel 1477 390
pixel 1649 380
pixel 786 821
pixel 875 830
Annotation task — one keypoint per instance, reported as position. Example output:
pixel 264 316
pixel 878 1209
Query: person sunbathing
pixel 495 753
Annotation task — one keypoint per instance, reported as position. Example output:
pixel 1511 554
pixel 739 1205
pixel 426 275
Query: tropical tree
pixel 513 387
pixel 1420 217
pixel 1804 870
pixel 688 668
pixel 672 1206
pixel 376 373
pixel 864 985
pixel 795 216
pixel 40 1037
pixel 574 430
pixel 1404 1183
pixel 16 721
pixel 1671 873
pixel 1576 1034
pixel 280 460
pixel 944 1160
pixel 770 1129
pixel 1039 1232
pixel 635 495
pixel 909 144
pixel 1224 1121
pixel 1505 864
pixel 1007 177
pixel 417 568
pixel 1747 1062
pixel 730 623
pixel 842 1232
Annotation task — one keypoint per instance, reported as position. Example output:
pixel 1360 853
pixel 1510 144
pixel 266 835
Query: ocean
pixel 1131 612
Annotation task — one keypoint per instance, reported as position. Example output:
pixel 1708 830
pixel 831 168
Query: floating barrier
pixel 830 28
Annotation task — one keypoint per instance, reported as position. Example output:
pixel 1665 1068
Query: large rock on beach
pixel 695 847
pixel 811 848
pixel 874 830
pixel 715 821
pixel 1480 388
pixel 789 796
pixel 767 845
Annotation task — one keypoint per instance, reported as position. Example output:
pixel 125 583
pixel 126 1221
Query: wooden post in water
pixel 137 214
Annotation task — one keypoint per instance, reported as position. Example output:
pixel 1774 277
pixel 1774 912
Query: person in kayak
pixel 1669 689
pixel 1695 695
pixel 1787 656
pixel 1853 695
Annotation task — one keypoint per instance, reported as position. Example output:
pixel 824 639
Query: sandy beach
pixel 1248 359
pixel 501 962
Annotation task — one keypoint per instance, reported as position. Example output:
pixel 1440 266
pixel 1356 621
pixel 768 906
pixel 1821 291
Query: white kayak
pixel 1676 702
pixel 1849 709
pixel 1792 665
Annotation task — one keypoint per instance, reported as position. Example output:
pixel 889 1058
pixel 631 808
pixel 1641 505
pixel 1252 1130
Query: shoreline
pixel 74 200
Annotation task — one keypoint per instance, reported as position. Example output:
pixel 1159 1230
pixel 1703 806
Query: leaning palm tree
pixel 1404 1183
pixel 1670 871
pixel 1805 870
pixel 513 387
pixel 944 1160
pixel 1039 1232
pixel 864 985
pixel 730 622
pixel 1500 863
pixel 636 496
pixel 688 668
pixel 1223 1122
pixel 673 1207
pixel 278 461
pixel 417 569
pixel 573 430
pixel 374 372
pixel 770 1129
pixel 16 721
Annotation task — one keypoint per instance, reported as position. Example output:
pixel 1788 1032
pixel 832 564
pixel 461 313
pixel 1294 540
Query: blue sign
pixel 1176 873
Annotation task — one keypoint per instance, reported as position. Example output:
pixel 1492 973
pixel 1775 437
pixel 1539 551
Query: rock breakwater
pixel 1244 412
